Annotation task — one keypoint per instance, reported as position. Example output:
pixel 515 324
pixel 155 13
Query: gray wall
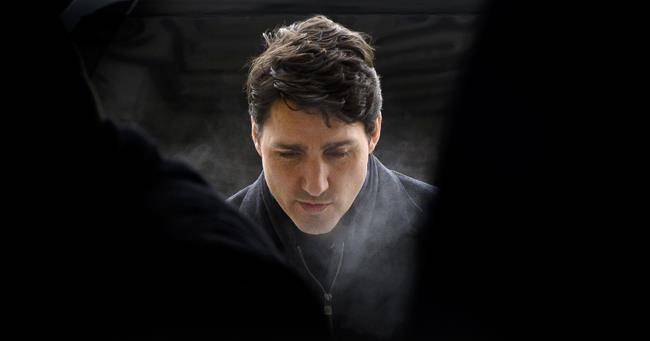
pixel 180 78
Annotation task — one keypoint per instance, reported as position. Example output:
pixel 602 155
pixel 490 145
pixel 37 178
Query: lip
pixel 313 207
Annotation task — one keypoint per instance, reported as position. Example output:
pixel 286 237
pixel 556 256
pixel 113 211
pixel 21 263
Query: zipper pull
pixel 327 308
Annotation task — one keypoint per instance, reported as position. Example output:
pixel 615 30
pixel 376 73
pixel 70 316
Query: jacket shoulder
pixel 237 198
pixel 420 192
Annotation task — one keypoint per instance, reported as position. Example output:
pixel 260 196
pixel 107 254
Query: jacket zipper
pixel 327 295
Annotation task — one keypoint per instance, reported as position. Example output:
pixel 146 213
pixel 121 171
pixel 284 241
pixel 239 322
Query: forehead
pixel 285 125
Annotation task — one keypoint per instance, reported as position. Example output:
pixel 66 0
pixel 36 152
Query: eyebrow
pixel 298 147
pixel 334 145
pixel 295 147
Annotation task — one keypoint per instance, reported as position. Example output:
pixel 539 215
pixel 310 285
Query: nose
pixel 314 180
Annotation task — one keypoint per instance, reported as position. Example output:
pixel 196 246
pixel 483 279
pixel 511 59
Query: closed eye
pixel 337 154
pixel 289 154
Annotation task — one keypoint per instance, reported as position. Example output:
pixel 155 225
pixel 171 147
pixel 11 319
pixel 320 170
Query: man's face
pixel 313 171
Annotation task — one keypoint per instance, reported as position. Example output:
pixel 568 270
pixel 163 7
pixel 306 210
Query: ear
pixel 374 136
pixel 255 136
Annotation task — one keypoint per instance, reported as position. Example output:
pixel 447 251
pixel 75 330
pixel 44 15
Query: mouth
pixel 313 207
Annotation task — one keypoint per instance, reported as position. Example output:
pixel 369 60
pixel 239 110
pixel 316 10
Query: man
pixel 343 220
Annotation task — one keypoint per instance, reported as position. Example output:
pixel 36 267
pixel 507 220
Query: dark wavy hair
pixel 316 64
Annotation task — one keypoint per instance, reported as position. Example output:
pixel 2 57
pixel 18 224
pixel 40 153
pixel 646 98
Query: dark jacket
pixel 368 270
pixel 144 248
pixel 117 242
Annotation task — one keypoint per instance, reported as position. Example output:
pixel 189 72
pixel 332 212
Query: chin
pixel 315 228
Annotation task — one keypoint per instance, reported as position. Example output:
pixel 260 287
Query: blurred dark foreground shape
pixel 129 245
pixel 504 255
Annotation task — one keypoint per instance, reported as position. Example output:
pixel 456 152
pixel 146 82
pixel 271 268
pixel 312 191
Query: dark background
pixel 177 68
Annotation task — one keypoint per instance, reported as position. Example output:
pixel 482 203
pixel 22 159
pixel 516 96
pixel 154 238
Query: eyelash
pixel 338 155
pixel 288 155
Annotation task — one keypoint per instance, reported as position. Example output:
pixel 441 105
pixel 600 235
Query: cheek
pixel 350 177
pixel 279 175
